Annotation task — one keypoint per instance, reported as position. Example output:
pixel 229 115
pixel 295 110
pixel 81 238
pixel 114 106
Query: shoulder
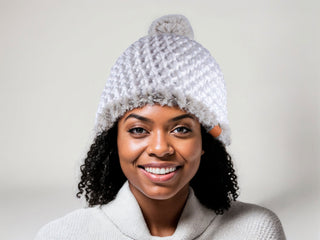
pixel 253 220
pixel 248 210
pixel 75 225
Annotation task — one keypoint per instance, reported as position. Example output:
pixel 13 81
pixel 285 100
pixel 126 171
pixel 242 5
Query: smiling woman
pixel 161 155
pixel 158 166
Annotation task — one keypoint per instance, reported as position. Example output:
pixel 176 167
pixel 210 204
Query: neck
pixel 161 216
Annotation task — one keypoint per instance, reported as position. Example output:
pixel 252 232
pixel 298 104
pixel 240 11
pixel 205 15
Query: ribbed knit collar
pixel 126 214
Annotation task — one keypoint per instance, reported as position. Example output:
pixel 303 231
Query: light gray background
pixel 56 56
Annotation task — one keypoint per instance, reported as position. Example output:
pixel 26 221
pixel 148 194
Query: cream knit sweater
pixel 122 219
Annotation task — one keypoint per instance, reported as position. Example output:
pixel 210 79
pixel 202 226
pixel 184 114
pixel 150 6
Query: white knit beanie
pixel 169 68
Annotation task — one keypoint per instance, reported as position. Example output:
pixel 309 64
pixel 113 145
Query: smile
pixel 160 171
pixel 160 174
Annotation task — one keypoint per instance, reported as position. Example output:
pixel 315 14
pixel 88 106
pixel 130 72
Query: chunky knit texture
pixel 123 219
pixel 168 68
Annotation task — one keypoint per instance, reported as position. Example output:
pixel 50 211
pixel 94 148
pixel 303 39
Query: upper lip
pixel 159 165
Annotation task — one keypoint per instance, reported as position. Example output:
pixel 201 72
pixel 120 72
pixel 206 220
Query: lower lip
pixel 159 177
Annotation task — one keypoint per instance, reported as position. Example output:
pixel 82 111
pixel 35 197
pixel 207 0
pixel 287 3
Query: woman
pixel 158 166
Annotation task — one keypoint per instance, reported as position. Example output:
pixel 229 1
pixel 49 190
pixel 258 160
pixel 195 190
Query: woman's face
pixel 159 150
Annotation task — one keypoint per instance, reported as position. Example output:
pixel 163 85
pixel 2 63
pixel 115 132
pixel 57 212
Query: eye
pixel 181 130
pixel 137 131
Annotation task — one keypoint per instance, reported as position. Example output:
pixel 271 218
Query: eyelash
pixel 136 130
pixel 185 130
pixel 181 130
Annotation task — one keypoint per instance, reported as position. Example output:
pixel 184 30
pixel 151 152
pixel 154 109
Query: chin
pixel 158 192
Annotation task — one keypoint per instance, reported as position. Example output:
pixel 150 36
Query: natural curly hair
pixel 215 184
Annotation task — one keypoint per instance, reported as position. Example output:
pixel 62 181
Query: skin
pixel 159 137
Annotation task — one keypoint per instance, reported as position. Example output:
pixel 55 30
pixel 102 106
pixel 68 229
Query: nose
pixel 159 145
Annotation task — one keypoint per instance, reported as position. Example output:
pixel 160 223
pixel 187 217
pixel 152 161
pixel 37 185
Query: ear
pixel 202 152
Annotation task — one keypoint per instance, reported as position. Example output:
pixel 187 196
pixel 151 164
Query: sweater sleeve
pixel 82 224
pixel 257 223
pixel 63 228
pixel 249 222
pixel 266 225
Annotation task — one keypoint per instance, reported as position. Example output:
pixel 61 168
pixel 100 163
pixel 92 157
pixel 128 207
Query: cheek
pixel 191 151
pixel 129 150
pixel 195 153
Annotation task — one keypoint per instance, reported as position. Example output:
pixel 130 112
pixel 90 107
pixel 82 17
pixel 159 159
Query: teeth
pixel 160 171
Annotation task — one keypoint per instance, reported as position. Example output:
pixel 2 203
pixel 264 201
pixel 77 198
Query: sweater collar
pixel 126 214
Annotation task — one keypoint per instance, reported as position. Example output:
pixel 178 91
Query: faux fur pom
pixel 174 24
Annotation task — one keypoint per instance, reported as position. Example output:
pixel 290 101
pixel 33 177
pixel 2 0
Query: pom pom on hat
pixel 173 24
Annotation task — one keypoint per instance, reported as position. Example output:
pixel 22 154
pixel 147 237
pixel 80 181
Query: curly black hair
pixel 215 183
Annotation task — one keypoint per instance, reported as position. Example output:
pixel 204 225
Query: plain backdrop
pixel 55 57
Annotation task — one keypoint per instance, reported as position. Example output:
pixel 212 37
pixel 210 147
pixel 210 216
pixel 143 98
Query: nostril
pixel 163 155
pixel 160 152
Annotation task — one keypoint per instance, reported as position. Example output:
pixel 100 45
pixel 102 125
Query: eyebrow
pixel 132 115
pixel 144 119
pixel 182 117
